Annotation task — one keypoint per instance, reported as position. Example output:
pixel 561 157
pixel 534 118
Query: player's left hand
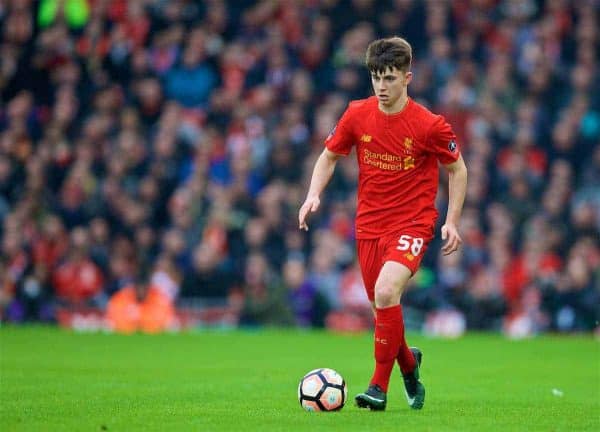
pixel 450 232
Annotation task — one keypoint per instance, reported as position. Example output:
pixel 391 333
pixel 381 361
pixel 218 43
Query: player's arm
pixel 457 187
pixel 321 175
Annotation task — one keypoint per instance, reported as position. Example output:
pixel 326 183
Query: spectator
pixel 265 299
pixel 209 278
pixel 140 307
pixel 192 81
pixel 77 279
pixel 305 303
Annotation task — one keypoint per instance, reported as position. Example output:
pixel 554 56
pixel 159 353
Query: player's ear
pixel 408 76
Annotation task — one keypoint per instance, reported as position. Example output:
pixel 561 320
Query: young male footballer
pixel 399 144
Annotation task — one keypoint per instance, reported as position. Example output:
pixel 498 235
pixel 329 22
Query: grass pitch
pixel 52 380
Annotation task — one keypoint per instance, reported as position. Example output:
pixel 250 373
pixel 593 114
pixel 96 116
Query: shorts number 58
pixel 415 244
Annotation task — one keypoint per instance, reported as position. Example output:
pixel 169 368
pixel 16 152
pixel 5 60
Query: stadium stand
pixel 169 144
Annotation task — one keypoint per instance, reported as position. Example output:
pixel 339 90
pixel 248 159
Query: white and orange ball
pixel 322 390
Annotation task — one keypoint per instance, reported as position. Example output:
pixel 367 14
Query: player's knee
pixel 386 295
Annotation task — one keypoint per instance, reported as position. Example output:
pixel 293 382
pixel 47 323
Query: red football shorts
pixel 406 247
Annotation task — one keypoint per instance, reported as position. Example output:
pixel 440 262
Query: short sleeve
pixel 340 140
pixel 442 141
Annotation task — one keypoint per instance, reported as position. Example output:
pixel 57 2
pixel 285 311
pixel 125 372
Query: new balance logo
pixel 366 138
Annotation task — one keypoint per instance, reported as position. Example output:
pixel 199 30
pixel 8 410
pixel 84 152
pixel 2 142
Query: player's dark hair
pixel 393 52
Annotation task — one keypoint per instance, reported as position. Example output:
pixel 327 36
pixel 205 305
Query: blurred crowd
pixel 154 154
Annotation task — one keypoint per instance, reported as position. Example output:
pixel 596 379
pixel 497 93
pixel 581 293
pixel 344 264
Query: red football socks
pixel 406 359
pixel 388 338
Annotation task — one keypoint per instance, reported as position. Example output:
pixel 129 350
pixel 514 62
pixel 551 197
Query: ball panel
pixel 311 386
pixel 310 406
pixel 332 398
pixel 332 376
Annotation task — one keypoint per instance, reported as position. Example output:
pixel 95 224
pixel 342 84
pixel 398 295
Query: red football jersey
pixel 398 158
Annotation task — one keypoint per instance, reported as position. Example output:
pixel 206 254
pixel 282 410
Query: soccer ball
pixel 322 390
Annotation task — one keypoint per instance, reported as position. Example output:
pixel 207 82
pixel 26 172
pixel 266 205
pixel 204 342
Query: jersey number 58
pixel 406 242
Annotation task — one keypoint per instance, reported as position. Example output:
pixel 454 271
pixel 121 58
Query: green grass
pixel 53 380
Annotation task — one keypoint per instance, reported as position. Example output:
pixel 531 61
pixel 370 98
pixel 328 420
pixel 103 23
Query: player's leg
pixel 414 389
pixel 406 359
pixel 389 329
pixel 370 259
pixel 408 251
pixel 388 332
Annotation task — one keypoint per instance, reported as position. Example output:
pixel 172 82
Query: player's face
pixel 390 85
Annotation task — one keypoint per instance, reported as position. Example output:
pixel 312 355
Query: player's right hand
pixel 312 205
